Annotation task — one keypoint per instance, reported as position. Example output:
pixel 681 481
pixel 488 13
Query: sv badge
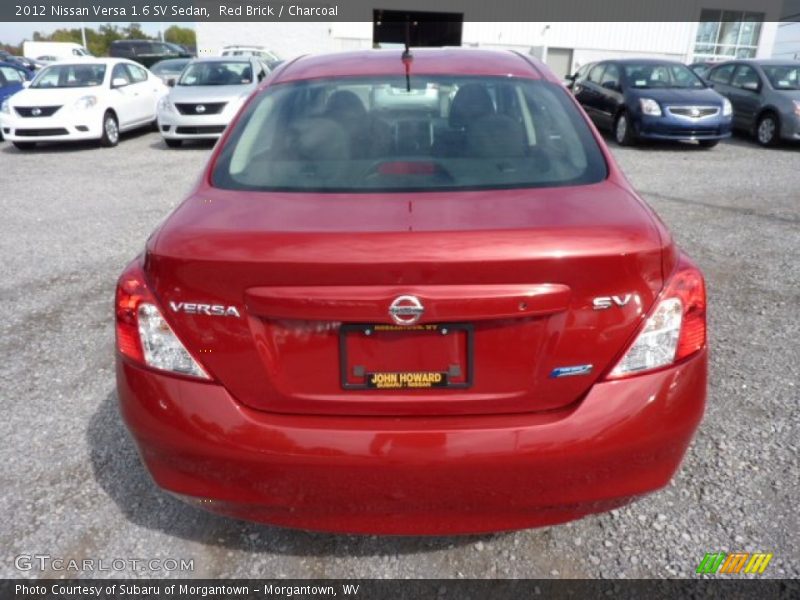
pixel 604 302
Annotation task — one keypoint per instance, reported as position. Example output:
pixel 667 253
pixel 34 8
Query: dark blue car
pixel 12 79
pixel 653 99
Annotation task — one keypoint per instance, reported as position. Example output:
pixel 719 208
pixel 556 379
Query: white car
pixel 206 97
pixel 260 52
pixel 82 99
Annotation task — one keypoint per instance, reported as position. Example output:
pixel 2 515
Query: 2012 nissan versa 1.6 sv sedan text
pixel 415 297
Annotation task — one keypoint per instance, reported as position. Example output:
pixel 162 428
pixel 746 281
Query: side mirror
pixel 611 85
pixel 751 86
pixel 26 84
pixel 119 82
pixel 572 77
pixel 171 82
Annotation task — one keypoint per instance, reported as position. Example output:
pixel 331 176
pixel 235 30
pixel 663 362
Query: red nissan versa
pixel 422 305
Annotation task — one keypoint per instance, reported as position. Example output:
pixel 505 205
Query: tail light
pixel 143 335
pixel 675 329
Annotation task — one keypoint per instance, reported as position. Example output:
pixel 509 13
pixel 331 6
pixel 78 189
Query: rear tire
pixel 25 145
pixel 768 130
pixel 110 136
pixel 623 130
pixel 708 143
pixel 173 143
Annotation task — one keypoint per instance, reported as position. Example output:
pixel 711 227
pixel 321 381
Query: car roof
pixel 226 59
pixel 762 61
pixel 428 61
pixel 646 61
pixel 77 60
pixel 12 65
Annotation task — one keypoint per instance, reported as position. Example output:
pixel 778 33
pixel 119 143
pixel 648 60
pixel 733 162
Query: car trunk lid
pixel 506 280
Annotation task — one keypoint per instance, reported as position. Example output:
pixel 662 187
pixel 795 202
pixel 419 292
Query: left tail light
pixel 143 335
pixel 675 329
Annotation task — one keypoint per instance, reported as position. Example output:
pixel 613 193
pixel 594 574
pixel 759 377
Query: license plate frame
pixel 346 329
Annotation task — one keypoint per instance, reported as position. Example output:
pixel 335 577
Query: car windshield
pixel 10 76
pixel 70 76
pixel 783 77
pixel 217 73
pixel 373 134
pixel 649 75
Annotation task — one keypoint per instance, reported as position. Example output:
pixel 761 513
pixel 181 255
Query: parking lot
pixel 71 484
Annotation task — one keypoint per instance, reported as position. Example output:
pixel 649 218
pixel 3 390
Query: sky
pixel 14 33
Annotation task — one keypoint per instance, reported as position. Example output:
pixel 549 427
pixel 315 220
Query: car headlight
pixel 85 102
pixel 796 107
pixel 5 107
pixel 650 107
pixel 727 108
pixel 165 105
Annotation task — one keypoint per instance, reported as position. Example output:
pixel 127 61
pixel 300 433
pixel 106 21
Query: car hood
pixel 52 96
pixel 209 93
pixel 679 96
pixel 9 90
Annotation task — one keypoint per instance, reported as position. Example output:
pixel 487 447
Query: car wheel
pixel 623 132
pixel 708 143
pixel 173 143
pixel 25 145
pixel 110 136
pixel 767 130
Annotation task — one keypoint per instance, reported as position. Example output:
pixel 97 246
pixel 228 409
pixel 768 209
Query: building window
pixel 725 34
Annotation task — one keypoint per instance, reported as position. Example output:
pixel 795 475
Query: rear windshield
pixel 648 75
pixel 373 134
pixel 217 73
pixel 783 77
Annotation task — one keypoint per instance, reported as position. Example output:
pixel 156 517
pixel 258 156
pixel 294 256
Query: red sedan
pixel 411 297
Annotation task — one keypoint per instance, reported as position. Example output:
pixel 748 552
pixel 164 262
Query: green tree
pixel 134 32
pixel 184 36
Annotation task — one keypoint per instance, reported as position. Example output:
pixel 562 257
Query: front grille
pixel 41 132
pixel 210 108
pixel 41 111
pixel 694 112
pixel 694 132
pixel 200 130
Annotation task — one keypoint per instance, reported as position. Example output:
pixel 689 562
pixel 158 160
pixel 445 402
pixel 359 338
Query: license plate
pixel 416 357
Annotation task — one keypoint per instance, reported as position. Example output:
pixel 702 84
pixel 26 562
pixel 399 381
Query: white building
pixel 719 33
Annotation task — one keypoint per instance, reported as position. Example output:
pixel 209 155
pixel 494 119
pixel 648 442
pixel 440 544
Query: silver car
pixel 207 96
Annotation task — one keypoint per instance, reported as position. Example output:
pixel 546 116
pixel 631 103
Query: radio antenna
pixel 407 57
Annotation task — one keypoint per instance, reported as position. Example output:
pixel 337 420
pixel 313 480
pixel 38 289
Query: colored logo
pixel 734 563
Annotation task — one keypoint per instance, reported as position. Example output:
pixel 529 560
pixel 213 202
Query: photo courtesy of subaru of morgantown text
pixel 369 317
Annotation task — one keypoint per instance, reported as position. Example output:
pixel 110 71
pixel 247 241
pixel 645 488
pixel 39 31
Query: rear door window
pixel 745 76
pixel 722 74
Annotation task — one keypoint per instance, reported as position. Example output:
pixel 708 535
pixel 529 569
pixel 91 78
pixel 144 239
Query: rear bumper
pixel 790 128
pixel 414 475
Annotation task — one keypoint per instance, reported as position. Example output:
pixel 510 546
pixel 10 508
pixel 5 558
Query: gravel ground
pixel 71 484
